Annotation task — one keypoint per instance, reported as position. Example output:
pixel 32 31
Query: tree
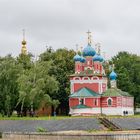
pixel 55 104
pixel 33 83
pixel 9 72
pixel 62 67
pixel 127 67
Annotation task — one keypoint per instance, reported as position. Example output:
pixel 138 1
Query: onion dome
pixel 89 51
pixel 82 59
pixel 98 57
pixel 77 57
pixel 113 75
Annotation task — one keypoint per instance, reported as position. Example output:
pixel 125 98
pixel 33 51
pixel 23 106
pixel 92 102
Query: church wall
pixel 91 102
pixel 92 86
pixel 104 102
pixel 127 101
pixel 73 102
pixel 118 110
pixel 85 111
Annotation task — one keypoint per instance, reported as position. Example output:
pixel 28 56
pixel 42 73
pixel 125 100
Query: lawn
pixel 61 117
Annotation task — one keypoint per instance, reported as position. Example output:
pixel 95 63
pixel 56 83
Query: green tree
pixel 33 84
pixel 62 68
pixel 55 104
pixel 9 72
pixel 127 67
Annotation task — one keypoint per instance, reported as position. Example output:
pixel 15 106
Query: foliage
pixel 41 129
pixel 127 66
pixel 62 67
pixel 9 72
pixel 27 84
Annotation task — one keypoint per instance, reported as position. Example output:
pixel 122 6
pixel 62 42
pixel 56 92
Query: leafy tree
pixel 33 83
pixel 127 67
pixel 62 68
pixel 9 72
pixel 55 104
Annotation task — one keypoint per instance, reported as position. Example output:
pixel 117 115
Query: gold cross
pixel 89 37
pixel 23 34
pixel 77 48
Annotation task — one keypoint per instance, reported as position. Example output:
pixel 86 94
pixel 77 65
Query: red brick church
pixel 90 94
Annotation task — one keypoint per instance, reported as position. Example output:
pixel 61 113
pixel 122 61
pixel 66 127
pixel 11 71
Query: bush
pixel 41 129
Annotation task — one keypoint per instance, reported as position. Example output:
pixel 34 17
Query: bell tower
pixel 24 49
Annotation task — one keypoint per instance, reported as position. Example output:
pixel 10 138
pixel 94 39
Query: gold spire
pixel 89 37
pixel 24 49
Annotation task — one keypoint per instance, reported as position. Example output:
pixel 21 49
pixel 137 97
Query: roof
pixel 113 92
pixel 80 106
pixel 84 92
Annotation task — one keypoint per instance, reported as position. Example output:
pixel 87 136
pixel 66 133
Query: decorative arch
pixel 109 101
pixel 85 78
pixel 76 78
pixel 94 77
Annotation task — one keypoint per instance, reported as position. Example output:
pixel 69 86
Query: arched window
pixel 109 102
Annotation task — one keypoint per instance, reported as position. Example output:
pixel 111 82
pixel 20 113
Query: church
pixel 89 90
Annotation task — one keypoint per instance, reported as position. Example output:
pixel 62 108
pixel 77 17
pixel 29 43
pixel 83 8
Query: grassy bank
pixel 61 117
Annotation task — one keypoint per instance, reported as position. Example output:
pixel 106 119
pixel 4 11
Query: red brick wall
pixel 91 102
pixel 73 102
pixel 105 104
pixel 92 86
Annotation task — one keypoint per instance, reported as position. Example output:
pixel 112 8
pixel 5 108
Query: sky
pixel 115 24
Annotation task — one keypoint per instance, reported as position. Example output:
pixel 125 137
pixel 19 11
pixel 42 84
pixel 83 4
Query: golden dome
pixel 23 42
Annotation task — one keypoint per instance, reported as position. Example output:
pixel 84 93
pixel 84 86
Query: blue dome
pixel 98 57
pixel 88 51
pixel 82 59
pixel 113 75
pixel 77 57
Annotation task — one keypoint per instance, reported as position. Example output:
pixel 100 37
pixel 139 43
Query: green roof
pixel 113 92
pixel 84 92
pixel 80 106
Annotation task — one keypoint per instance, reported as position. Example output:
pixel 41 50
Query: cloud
pixel 64 23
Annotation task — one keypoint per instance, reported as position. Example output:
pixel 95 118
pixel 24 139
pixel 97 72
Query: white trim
pixel 88 81
pixel 92 78
pixel 76 78
pixel 85 111
pixel 85 78
pixel 111 101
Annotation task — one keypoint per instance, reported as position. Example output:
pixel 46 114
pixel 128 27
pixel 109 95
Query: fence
pixel 49 136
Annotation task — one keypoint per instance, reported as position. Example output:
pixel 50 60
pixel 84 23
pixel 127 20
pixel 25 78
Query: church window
pixel 81 101
pixel 109 102
pixel 95 102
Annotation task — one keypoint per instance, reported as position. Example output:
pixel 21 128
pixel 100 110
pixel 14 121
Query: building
pixel 90 94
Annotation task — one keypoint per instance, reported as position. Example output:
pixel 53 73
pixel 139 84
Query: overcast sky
pixel 64 23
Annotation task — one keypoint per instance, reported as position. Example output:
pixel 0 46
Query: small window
pixel 97 67
pixel 109 102
pixel 95 102
pixel 81 101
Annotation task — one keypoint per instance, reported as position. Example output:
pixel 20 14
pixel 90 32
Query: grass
pixel 41 129
pixel 61 117
pixel 42 118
